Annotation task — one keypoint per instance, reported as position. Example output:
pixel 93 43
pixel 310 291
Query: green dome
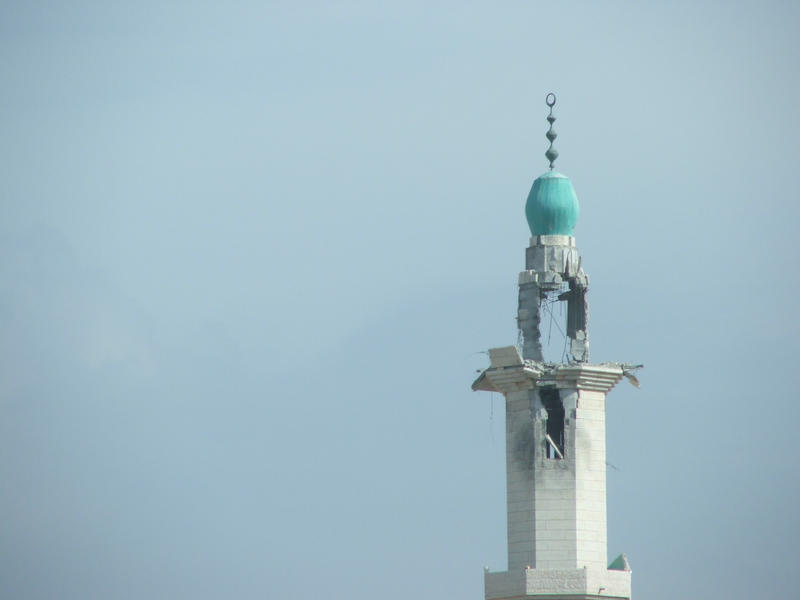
pixel 552 207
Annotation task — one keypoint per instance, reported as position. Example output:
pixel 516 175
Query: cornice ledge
pixel 505 380
pixel 509 372
pixel 598 378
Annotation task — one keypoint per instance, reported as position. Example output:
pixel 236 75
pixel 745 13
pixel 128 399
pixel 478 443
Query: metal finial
pixel 552 153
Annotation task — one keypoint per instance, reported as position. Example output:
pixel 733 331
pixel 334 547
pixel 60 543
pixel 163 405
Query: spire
pixel 552 153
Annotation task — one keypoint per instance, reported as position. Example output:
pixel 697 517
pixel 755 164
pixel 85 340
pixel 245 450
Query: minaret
pixel 555 420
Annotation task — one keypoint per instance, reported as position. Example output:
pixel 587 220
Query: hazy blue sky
pixel 250 255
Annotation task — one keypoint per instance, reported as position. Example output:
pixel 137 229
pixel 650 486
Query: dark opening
pixel 551 400
pixel 576 308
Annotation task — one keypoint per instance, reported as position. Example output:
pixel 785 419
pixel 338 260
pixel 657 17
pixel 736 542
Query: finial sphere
pixel 550 100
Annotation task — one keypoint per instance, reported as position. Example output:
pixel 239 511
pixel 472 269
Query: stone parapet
pixel 546 584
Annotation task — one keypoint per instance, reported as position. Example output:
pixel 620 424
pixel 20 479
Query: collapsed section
pixel 536 297
pixel 553 274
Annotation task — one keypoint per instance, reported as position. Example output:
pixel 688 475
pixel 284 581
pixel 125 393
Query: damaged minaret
pixel 555 420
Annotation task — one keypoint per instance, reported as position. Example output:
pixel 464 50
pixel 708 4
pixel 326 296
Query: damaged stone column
pixel 578 317
pixel 551 262
pixel 528 316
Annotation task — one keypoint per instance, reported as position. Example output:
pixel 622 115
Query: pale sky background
pixel 250 255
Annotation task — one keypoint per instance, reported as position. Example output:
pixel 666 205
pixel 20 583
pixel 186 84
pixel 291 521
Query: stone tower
pixel 555 421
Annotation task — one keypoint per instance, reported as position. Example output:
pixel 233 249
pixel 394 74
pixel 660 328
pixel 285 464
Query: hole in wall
pixel 551 400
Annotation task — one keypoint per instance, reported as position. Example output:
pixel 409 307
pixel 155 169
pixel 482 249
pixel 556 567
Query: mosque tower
pixel 555 420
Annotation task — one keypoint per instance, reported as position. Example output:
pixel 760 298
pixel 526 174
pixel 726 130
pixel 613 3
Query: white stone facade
pixel 556 506
pixel 556 503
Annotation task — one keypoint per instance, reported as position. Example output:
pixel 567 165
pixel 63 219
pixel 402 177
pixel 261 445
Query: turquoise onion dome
pixel 552 207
